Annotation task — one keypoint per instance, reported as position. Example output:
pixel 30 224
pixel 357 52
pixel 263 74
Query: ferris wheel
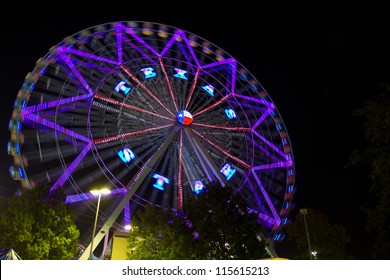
pixel 155 113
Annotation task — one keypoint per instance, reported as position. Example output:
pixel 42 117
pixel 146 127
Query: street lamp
pixel 304 212
pixel 99 194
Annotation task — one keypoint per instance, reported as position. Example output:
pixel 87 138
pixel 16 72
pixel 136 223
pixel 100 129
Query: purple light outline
pixel 69 170
pixel 179 33
pixel 73 68
pixel 256 108
pixel 274 165
pixel 126 214
pixel 225 61
pixel 74 198
pixel 261 101
pixel 87 55
pixel 270 144
pixel 135 47
pixel 187 42
pixel 267 199
pixel 265 114
pixel 54 126
pixel 55 103
pixel 119 41
pixel 135 36
pixel 262 149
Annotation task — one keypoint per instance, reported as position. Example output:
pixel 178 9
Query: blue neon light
pixel 180 74
pixel 126 155
pixel 209 89
pixel 149 72
pixel 122 87
pixel 230 113
pixel 198 187
pixel 228 171
pixel 161 180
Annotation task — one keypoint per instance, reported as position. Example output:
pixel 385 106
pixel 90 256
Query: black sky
pixel 316 74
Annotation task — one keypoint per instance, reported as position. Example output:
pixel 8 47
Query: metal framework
pixel 155 112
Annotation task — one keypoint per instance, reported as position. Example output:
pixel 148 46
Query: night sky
pixel 316 74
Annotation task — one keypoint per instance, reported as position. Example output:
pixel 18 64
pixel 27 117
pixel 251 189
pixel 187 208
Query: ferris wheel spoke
pixel 69 170
pixel 208 164
pixel 168 83
pixel 138 82
pixel 262 212
pixel 159 112
pixel 180 173
pixel 192 88
pixel 128 106
pixel 233 128
pixel 54 126
pixel 129 134
pixel 279 164
pixel 56 103
pixel 267 198
pixel 227 97
pixel 246 165
pixel 272 146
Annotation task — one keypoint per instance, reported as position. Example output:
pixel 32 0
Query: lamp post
pixel 99 194
pixel 304 212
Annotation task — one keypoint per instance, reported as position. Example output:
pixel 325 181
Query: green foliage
pixel 159 234
pixel 212 225
pixel 38 227
pixel 376 155
pixel 327 239
pixel 227 230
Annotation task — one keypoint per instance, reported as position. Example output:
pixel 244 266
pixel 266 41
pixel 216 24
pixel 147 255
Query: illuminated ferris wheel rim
pixel 68 50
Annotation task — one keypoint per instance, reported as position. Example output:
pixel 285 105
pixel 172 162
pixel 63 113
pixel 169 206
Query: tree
pixel 38 226
pixel 226 229
pixel 328 240
pixel 376 155
pixel 159 234
pixel 214 224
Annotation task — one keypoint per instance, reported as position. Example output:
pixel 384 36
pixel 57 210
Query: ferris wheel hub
pixel 184 117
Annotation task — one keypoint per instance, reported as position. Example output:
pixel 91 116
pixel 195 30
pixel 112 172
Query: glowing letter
pixel 161 180
pixel 230 113
pixel 180 74
pixel 198 187
pixel 209 89
pixel 126 155
pixel 121 86
pixel 228 171
pixel 148 72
